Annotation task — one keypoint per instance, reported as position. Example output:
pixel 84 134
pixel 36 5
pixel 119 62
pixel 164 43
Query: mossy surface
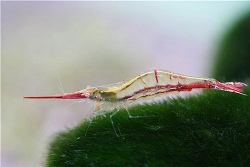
pixel 210 129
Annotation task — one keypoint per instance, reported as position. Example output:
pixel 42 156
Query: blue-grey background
pixel 51 47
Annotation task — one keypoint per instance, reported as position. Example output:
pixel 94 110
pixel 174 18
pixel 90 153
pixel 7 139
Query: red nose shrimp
pixel 149 84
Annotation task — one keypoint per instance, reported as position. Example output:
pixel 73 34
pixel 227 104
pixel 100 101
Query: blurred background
pixel 56 47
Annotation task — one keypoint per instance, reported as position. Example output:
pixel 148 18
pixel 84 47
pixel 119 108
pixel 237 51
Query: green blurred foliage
pixel 233 57
pixel 211 129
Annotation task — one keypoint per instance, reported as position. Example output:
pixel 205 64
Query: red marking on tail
pixel 236 84
pixel 231 86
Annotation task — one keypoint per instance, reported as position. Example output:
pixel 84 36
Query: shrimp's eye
pixel 87 95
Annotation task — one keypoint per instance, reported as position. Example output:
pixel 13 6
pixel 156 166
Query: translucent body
pixel 156 82
pixel 151 83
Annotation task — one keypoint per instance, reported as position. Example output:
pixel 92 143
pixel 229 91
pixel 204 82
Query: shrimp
pixel 151 84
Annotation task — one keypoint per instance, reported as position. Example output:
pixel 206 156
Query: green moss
pixel 211 129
